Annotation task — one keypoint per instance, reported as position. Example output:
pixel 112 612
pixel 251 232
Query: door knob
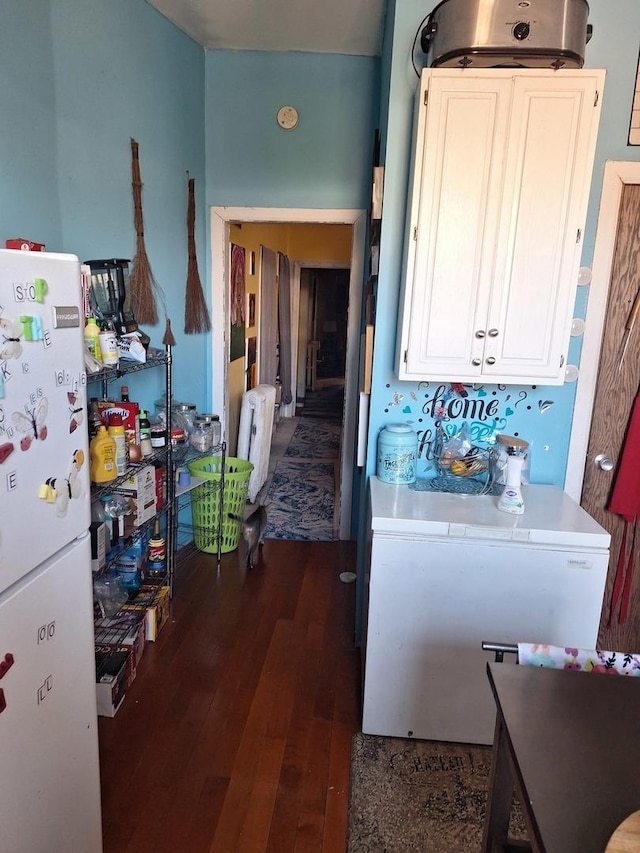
pixel 493 333
pixel 603 462
pixel 480 333
pixel 491 360
pixel 476 362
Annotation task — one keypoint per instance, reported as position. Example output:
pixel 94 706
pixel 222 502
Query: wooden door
pixel 616 390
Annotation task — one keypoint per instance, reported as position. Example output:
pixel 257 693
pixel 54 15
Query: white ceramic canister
pixel 397 454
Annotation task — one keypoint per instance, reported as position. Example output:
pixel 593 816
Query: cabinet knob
pixel 491 360
pixel 493 333
pixel 480 333
pixel 603 462
pixel 476 362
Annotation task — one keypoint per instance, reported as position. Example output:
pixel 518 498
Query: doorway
pixel 607 384
pixel 221 219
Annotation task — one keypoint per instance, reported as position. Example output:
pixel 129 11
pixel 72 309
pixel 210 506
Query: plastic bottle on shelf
pixel 102 453
pixel 124 394
pixel 116 431
pixel 95 420
pixel 92 339
pixel 157 552
pixel 145 435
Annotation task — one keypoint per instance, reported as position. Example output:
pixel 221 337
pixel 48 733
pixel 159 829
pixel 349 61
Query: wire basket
pixel 205 501
pixel 466 475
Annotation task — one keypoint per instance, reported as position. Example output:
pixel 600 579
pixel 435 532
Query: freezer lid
pixel 551 517
pixel 44 457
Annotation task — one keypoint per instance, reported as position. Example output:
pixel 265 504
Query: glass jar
pixel 179 444
pixel 201 435
pixel 216 427
pixel 186 413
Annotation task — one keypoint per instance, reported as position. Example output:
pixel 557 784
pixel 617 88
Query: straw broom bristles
pixel 142 282
pixel 196 313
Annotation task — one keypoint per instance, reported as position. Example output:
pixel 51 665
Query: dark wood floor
pixel 236 734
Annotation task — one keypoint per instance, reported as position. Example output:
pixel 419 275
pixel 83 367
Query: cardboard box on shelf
pixel 111 633
pixel 111 680
pixel 99 544
pixel 153 601
pixel 140 490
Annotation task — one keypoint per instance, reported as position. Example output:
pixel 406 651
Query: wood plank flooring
pixel 236 734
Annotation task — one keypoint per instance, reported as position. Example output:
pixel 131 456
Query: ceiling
pixel 313 26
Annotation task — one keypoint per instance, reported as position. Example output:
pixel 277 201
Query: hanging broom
pixel 196 313
pixel 142 282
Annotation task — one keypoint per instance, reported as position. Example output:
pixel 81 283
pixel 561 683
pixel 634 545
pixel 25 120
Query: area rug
pixel 412 795
pixel 315 440
pixel 300 501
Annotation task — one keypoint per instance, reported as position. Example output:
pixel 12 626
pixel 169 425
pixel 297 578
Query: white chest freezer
pixel 449 571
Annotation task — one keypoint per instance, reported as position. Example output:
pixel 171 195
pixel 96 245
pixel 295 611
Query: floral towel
pixel 585 660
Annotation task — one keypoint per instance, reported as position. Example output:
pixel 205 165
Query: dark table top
pixel 576 741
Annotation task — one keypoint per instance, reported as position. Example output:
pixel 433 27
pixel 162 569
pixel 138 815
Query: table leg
pixel 500 794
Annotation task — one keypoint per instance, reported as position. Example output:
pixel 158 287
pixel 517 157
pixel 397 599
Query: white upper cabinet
pixel 501 174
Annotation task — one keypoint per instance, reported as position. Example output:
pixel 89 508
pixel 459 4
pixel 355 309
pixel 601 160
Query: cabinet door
pixel 502 166
pixel 548 167
pixel 456 198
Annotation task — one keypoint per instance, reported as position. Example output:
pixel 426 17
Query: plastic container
pixel 109 348
pixel 92 338
pixel 205 501
pixel 115 429
pixel 397 454
pixel 102 452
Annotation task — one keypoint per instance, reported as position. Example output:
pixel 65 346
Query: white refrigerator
pixel 49 768
pixel 447 572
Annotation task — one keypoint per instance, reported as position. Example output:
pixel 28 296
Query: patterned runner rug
pixel 300 501
pixel 315 439
pixel 423 796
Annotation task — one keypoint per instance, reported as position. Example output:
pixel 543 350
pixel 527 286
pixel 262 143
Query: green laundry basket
pixel 205 501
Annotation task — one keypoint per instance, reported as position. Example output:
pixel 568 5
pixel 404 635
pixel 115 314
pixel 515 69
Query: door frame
pixel 220 222
pixel 617 173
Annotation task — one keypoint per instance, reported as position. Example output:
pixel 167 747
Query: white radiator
pixel 254 433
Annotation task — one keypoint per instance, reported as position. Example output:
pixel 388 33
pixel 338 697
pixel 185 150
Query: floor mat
pixel 316 440
pixel 300 501
pixel 419 795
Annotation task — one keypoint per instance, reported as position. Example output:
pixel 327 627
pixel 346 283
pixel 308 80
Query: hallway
pixel 303 500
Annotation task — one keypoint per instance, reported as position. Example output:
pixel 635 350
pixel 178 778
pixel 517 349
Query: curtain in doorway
pixel 284 325
pixel 268 337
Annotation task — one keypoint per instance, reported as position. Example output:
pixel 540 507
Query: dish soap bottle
pixel 511 499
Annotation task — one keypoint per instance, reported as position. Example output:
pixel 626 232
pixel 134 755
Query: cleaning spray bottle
pixel 511 499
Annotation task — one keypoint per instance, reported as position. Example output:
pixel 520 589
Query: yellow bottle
pixel 91 338
pixel 102 451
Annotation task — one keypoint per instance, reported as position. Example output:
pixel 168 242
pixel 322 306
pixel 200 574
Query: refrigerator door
pixel 50 794
pixel 44 459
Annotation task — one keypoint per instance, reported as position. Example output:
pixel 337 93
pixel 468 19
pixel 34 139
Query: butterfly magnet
pixel 31 425
pixel 10 344
pixel 76 410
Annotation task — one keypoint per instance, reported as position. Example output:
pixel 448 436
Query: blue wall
pixel 79 80
pixel 324 163
pixel 542 415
